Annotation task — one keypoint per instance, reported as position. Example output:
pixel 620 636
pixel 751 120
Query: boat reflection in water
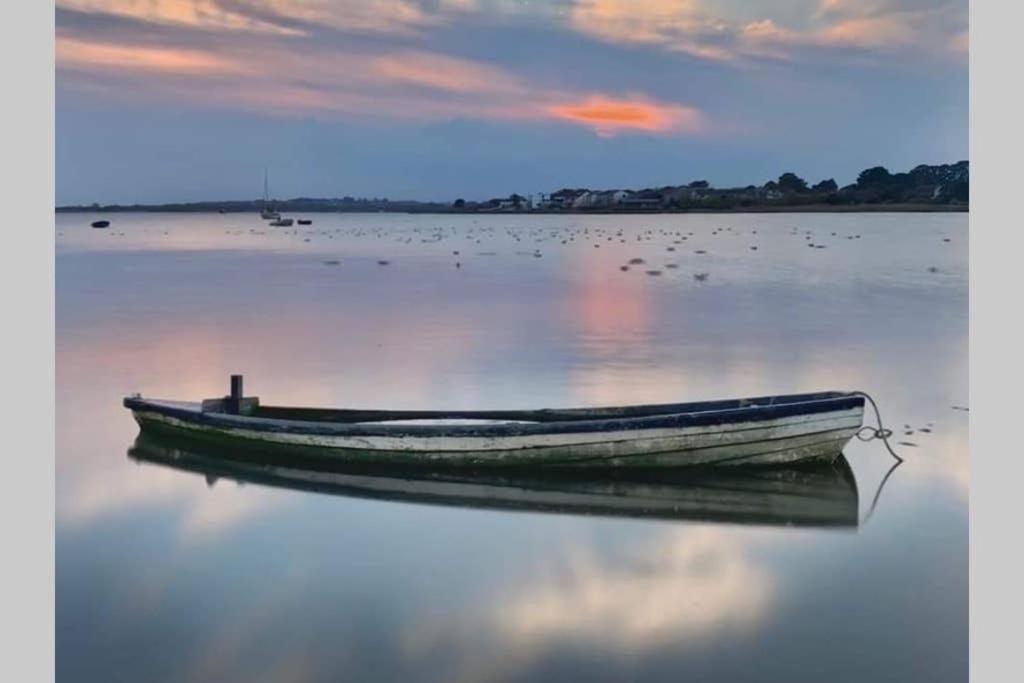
pixel 815 495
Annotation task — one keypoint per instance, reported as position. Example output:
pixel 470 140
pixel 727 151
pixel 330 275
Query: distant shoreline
pixel 924 188
pixel 796 208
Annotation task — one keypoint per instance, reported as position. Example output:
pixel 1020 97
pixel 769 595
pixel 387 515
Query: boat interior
pixel 251 407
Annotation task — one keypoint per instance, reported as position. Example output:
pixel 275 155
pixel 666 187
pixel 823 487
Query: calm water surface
pixel 163 575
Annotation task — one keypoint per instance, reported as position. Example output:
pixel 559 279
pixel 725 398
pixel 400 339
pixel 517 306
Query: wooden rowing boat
pixel 767 430
pixel 809 494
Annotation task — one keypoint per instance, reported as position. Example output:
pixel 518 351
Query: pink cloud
pixel 677 25
pixel 867 32
pixel 204 14
pixel 700 29
pixel 608 116
pixel 108 56
pixel 280 16
pixel 288 79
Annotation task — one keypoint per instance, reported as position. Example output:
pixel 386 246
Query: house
pixel 563 199
pixel 586 200
pixel 618 196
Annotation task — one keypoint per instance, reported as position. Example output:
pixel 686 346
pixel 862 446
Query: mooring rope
pixel 878 493
pixel 869 433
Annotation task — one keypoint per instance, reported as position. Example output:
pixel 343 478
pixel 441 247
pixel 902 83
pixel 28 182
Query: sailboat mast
pixel 266 188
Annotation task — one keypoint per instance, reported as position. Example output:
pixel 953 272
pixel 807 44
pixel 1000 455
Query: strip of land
pixel 943 187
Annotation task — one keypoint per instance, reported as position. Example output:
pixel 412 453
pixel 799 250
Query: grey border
pixel 27 288
pixel 996 341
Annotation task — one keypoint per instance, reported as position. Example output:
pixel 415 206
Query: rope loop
pixel 868 433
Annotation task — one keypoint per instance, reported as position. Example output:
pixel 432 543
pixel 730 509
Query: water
pixel 162 576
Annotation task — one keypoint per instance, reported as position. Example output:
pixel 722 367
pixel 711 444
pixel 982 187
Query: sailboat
pixel 266 213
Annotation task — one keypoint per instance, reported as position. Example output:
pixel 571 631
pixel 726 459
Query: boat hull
pixel 736 437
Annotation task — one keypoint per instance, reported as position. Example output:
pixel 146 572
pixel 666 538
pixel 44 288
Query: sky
pixel 190 100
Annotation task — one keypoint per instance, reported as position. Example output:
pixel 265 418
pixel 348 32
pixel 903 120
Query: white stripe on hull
pixel 771 441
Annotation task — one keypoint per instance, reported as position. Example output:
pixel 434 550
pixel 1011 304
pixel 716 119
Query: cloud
pixel 108 56
pixel 608 116
pixel 690 583
pixel 688 26
pixel 678 25
pixel 287 57
pixel 285 17
pixel 868 32
pixel 288 78
pixel 204 14
pixel 676 589
pixel 204 510
pixel 370 16
pixel 691 27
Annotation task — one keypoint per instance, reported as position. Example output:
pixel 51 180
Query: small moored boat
pixel 100 224
pixel 305 221
pixel 766 430
pixel 281 222
pixel 267 212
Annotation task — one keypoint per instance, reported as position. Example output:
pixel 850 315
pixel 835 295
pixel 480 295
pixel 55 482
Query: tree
pixel 826 186
pixel 960 191
pixel 791 182
pixel 699 184
pixel 459 203
pixel 874 177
